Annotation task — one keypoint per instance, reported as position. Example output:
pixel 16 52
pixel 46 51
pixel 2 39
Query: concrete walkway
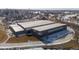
pixel 6 39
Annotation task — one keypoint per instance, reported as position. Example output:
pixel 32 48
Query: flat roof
pixel 43 28
pixel 16 28
pixel 35 23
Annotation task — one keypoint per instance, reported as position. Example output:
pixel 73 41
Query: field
pixel 3 36
pixel 22 39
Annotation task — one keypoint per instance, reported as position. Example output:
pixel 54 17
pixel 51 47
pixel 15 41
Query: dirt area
pixel 3 36
pixel 22 39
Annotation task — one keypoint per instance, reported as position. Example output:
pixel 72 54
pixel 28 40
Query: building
pixel 47 35
pixel 51 32
pixel 26 27
pixel 69 18
pixel 16 30
pixel 44 30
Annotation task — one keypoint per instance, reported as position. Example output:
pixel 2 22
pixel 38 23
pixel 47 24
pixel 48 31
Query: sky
pixel 36 4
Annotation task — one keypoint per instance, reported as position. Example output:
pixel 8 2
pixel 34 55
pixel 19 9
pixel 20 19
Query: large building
pixel 16 29
pixel 50 32
pixel 46 31
pixel 26 27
